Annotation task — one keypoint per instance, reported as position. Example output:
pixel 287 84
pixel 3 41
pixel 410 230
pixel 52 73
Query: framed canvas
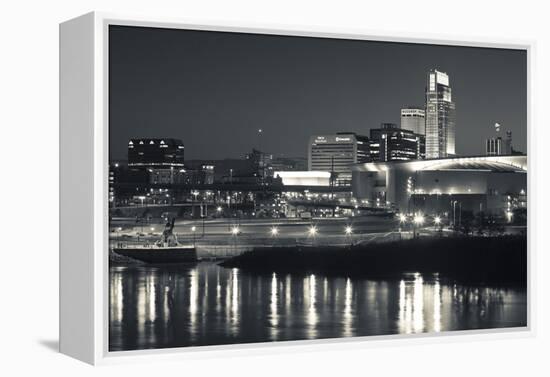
pixel 230 188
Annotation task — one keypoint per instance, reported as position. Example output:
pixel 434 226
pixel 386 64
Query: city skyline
pixel 215 90
pixel 221 242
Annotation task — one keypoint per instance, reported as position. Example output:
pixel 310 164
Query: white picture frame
pixel 84 177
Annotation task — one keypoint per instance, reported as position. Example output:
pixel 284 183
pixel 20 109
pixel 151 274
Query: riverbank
pixel 500 260
pixel 117 259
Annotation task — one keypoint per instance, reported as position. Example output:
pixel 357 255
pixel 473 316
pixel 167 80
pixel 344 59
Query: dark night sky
pixel 215 90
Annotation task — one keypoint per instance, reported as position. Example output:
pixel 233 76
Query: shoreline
pixel 484 260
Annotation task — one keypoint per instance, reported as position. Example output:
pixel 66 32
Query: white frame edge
pixel 84 119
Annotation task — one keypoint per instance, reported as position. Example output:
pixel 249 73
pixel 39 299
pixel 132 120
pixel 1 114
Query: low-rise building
pixel 490 184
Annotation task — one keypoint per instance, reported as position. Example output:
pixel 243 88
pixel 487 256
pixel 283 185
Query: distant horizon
pixel 214 90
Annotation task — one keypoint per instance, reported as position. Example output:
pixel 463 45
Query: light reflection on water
pixel 203 304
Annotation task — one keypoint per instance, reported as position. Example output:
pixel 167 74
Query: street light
pixel 419 219
pixel 274 231
pixel 349 233
pixel 235 230
pixel 509 216
pixel 142 198
pixel 312 230
pixel 402 218
pixel 437 222
pixel 193 229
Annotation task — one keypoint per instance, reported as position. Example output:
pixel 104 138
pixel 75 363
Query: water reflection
pixel 156 307
pixel 348 316
pixel 437 306
pixel 274 317
pixel 193 304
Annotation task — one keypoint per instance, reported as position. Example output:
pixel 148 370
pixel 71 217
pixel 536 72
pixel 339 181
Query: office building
pixel 125 182
pixel 261 163
pixel 200 175
pixel 413 119
pixel 161 158
pixel 440 116
pixel 289 164
pixel 336 153
pixel 493 146
pixel 155 153
pixel 391 143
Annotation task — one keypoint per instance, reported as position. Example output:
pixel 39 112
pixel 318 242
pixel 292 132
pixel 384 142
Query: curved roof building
pixel 487 183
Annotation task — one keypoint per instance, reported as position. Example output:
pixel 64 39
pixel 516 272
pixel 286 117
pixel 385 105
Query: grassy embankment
pixel 501 260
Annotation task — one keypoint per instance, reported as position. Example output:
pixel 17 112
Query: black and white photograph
pixel 274 188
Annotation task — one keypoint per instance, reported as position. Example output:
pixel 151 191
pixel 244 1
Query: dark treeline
pixel 499 260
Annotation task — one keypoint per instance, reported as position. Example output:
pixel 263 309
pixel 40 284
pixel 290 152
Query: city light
pixel 274 231
pixel 219 209
pixel 437 220
pixel 235 230
pixel 349 230
pixel 509 216
pixel 193 228
pixel 312 230
pixel 419 219
pixel 402 217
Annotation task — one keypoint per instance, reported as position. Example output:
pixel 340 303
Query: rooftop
pixel 509 163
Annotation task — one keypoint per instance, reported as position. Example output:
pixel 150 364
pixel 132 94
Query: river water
pixel 204 304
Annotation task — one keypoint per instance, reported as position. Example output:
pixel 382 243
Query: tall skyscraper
pixel 440 116
pixel 413 119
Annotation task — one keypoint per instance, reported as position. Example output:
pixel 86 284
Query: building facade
pixel 391 143
pixel 489 184
pixel 414 119
pixel 201 175
pixel 336 154
pixel 163 159
pixel 261 163
pixel 289 164
pixel 155 153
pixel 440 116
pixel 304 178
pixel 493 147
